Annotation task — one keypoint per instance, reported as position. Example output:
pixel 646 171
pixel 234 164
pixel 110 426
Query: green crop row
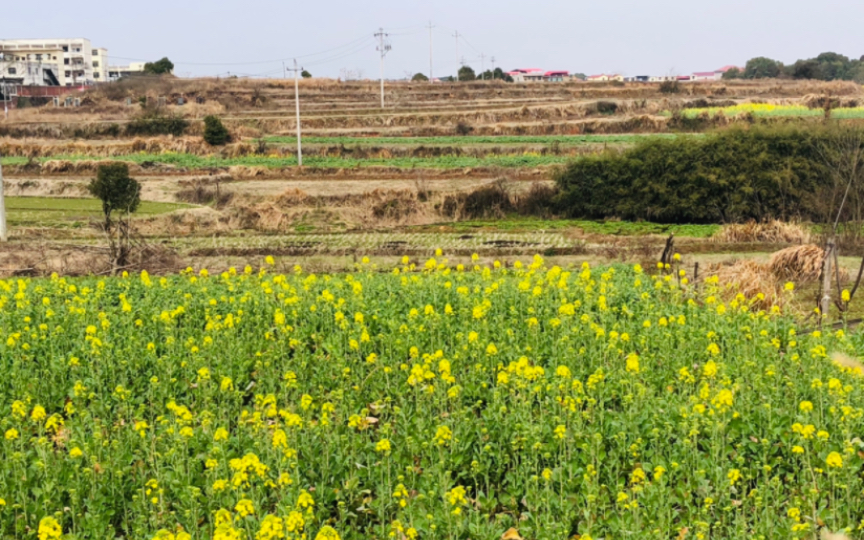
pixel 767 110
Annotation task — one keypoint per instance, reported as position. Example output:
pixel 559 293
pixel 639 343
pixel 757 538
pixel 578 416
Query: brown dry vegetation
pixel 374 209
pixel 265 201
pixel 41 257
pixel 39 148
pixel 797 264
pixel 254 107
pixel 800 264
pixel 774 232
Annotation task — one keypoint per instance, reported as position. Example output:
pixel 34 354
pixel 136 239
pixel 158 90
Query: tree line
pixel 828 66
pixel 467 74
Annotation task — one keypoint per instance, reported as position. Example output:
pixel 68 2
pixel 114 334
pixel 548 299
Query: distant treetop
pixel 159 67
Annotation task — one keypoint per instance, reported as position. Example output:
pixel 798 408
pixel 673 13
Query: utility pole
pixel 383 48
pixel 284 71
pixel 825 304
pixel 5 101
pixel 3 235
pixel 297 109
pixel 456 35
pixel 5 89
pixel 430 51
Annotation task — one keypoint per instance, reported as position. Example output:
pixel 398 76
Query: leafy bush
pixel 153 123
pixel 463 129
pixel 729 176
pixel 116 189
pixel 489 201
pixel 607 107
pixel 670 87
pixel 215 132
pixel 733 73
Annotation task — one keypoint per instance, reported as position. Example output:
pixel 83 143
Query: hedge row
pixel 733 175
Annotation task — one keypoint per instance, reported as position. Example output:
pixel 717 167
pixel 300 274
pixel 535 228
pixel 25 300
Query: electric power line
pixel 258 62
pixel 340 56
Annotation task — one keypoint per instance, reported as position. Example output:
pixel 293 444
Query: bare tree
pixel 842 153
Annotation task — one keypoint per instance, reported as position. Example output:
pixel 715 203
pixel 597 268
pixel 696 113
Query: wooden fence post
pixel 826 282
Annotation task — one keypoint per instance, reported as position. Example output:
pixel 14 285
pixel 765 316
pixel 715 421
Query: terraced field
pixel 201 162
pixel 396 173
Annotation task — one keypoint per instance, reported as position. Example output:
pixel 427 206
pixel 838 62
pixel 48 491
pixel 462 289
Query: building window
pixel 39 57
pixel 65 48
pixel 95 75
pixel 95 53
pixel 68 73
pixel 66 61
pixel 12 71
pixel 96 64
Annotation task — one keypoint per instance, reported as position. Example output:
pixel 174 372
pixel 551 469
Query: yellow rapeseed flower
pixel 49 529
pixel 327 533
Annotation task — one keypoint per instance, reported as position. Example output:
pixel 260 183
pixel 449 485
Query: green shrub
pixel 734 175
pixel 159 67
pixel 215 132
pixel 670 87
pixel 156 124
pixel 116 189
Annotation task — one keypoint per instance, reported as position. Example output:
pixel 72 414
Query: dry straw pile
pixel 774 232
pixel 799 264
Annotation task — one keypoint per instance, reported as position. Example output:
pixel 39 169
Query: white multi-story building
pixel 118 72
pixel 52 62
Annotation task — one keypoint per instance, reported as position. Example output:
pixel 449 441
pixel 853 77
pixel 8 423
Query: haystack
pixel 775 231
pixel 749 278
pixel 800 264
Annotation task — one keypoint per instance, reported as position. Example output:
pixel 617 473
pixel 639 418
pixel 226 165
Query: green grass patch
pixel 614 228
pixel 53 211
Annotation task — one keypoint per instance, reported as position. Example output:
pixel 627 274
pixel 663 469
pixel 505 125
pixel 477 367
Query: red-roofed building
pixel 604 77
pixel 706 76
pixel 527 75
pixel 556 76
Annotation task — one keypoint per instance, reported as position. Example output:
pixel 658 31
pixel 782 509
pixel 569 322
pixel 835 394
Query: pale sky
pixel 607 36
